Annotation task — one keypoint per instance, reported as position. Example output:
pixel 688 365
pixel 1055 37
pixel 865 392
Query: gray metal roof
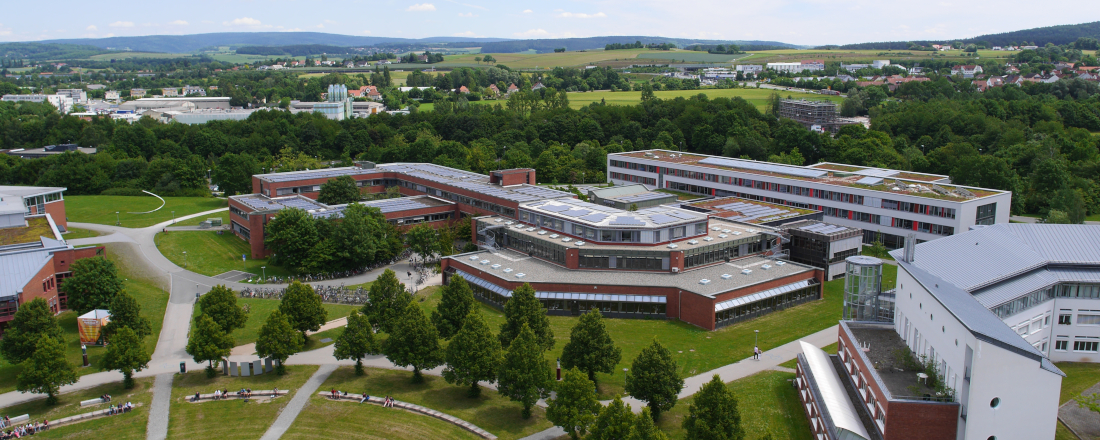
pixel 833 397
pixel 27 191
pixel 18 267
pixel 764 166
pixel 582 212
pixel 618 190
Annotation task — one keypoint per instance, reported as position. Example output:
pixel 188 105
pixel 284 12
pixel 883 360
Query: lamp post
pixel 118 221
pixel 263 270
pixel 184 258
pixel 173 217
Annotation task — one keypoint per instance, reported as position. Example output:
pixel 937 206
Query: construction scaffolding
pixel 814 115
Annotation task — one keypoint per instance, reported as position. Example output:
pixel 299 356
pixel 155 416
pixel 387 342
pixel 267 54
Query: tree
pixel 126 312
pixel 357 341
pixel 1090 402
pixel 613 423
pixel 278 339
pixel 32 321
pixel 473 355
pixel 93 285
pixel 525 309
pixel 654 378
pixel 302 307
pixel 489 59
pixel 422 240
pixel 713 415
pixel 388 301
pixel 414 342
pixel 525 374
pixel 575 406
pixel 47 370
pixel 647 92
pixel 220 304
pixel 476 60
pixel 208 342
pixel 233 173
pixel 454 307
pixel 291 236
pixel 590 348
pixel 1056 217
pixel 339 191
pixel 126 353
pixel 645 429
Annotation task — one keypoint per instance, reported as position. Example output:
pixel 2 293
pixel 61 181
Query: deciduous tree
pixel 645 429
pixel 654 378
pixel 32 321
pixel 473 355
pixel 524 376
pixel 233 173
pixel 357 341
pixel 220 304
pixel 303 309
pixel 414 342
pixel 575 406
pixel 590 348
pixel 713 415
pixel 126 312
pixel 423 241
pixel 454 307
pixel 208 343
pixel 338 191
pixel 388 300
pixel 291 236
pixel 278 339
pixel 126 353
pixel 93 285
pixel 47 370
pixel 525 309
pixel 613 423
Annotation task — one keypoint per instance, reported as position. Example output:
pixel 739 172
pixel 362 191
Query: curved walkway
pixel 301 398
pixel 185 286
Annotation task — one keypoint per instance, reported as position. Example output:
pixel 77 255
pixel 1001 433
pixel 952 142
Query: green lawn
pixel 322 417
pixel 101 209
pixel 260 309
pixel 680 195
pixel 195 221
pixel 123 426
pixel 75 233
pixel 211 254
pixel 767 403
pixel 490 411
pixel 1079 377
pixel 152 299
pixel 230 419
pixel 829 349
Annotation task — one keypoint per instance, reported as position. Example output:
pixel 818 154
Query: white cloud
pixel 365 32
pixel 291 30
pixel 109 35
pixel 468 34
pixel 532 33
pixel 421 7
pixel 243 21
pixel 91 28
pixel 179 23
pixel 320 26
pixel 581 15
pixel 527 11
pixel 467 14
pixel 121 24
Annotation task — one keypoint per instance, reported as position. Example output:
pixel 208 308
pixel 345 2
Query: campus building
pixel 818 116
pixel 886 204
pixel 626 196
pixel 34 259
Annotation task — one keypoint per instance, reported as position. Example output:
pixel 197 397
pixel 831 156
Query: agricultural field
pixel 126 55
pixel 758 97
pixel 551 60
pixel 690 56
pixel 851 56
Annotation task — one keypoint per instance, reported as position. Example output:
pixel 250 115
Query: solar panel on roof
pixel 878 172
pixel 556 208
pixel 627 221
pixel 594 218
pixel 644 196
pixel 758 166
pixel 870 180
pixel 575 212
pixel 661 219
pixel 683 215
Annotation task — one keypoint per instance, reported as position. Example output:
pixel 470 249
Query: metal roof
pixel 763 166
pixel 27 191
pixel 315 174
pixel 18 267
pixel 641 197
pixel 870 181
pixel 618 190
pixel 653 299
pixel 831 392
pixel 824 228
pixel 877 172
pixel 748 299
pixel 591 214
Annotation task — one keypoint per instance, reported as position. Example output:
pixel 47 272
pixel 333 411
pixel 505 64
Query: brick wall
pixel 56 210
pixel 921 421
pixel 42 285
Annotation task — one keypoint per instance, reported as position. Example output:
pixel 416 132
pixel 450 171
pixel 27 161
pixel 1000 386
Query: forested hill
pixel 547 45
pixel 39 51
pixel 1058 35
pixel 191 43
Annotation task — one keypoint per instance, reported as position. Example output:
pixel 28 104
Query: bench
pixel 234 395
pixel 86 416
pixel 90 402
pixel 380 400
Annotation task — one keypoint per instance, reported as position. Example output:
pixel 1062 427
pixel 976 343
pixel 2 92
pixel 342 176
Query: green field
pixel 125 55
pixel 75 233
pixel 232 418
pixel 260 309
pixel 758 97
pixel 552 60
pixel 322 417
pixel 691 56
pixel 767 403
pixel 129 426
pixel 490 411
pixel 101 209
pixel 152 299
pixel 211 254
pixel 789 55
pixel 224 215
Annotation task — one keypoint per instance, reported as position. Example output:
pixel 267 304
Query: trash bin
pixel 183 367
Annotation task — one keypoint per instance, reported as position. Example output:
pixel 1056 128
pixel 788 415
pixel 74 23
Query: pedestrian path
pixel 301 398
pixel 157 428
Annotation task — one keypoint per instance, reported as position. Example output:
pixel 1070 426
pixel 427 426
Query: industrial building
pixel 49 150
pixel 178 104
pixel 819 116
pixel 886 204
pixel 338 105
pixel 629 196
pixel 811 65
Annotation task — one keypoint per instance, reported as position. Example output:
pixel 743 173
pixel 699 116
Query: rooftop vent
pixel 520 275
pixel 530 229
pixel 508 223
pixel 499 220
pixel 508 270
pixel 566 239
pixel 766 266
pixel 736 232
pixel 554 236
pixel 542 232
pixel 578 243
pixel 672 246
pixel 693 241
pixel 726 276
pixel 708 239
pixel 726 231
pixel 751 230
pixel 474 258
pixel 722 236
pixel 484 262
pixel 716 228
pixel 780 263
pixel 495 266
pixel 704 281
pixel 746 271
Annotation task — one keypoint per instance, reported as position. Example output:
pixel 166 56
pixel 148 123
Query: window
pixel 987 214
pixel 1089 346
pixel 1046 321
pixel 1064 319
pixel 995 402
pixel 1088 319
pixel 1061 345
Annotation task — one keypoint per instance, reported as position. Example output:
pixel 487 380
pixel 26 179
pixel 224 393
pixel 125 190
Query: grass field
pixel 152 299
pixel 1079 377
pixel 211 254
pixel 690 56
pixel 551 60
pixel 788 55
pixel 125 55
pixel 230 419
pixel 129 426
pixel 767 403
pixel 758 97
pixel 224 215
pixel 490 411
pixel 262 308
pixel 101 209
pixel 75 233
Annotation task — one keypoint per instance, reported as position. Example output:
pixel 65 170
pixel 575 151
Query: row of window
pixel 238 211
pixel 631 309
pixel 636 179
pixel 241 230
pixel 766 305
pixel 420 219
pixel 634 166
pixel 461 199
pixel 297 190
pixel 1090 291
pixel 538 248
pixel 1079 346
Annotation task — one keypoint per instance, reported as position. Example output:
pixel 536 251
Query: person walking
pixel 756 353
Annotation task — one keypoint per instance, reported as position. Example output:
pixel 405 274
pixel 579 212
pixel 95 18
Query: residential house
pixel 493 88
pixel 512 89
pixel 137 93
pixel 537 86
pixel 193 91
pixel 111 95
pixel 422 58
pixel 1012 70
pixel 169 92
pixel 967 71
pixel 1063 65
pixel 463 90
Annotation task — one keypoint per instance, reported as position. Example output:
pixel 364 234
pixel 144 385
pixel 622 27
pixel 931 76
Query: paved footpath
pixel 157 428
pixel 301 398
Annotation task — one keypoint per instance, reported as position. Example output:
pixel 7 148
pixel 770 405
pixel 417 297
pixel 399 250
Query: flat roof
pixel 28 191
pixel 718 232
pixel 750 211
pixel 881 180
pixel 262 203
pixel 606 217
pixel 193 98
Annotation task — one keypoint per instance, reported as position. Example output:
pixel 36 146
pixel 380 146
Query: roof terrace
pixel 896 367
pixel 750 211
pixel 719 232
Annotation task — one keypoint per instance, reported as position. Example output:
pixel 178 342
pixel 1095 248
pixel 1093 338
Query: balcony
pixel 903 375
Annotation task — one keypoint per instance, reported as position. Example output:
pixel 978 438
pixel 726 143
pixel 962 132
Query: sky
pixel 802 22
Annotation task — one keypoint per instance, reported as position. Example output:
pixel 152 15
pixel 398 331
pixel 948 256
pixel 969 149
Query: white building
pixel 112 95
pixel 886 204
pixel 878 64
pixel 967 71
pixel 78 96
pixel 811 65
pixel 749 68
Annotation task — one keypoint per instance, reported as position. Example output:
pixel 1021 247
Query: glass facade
pixel 764 306
pixel 572 304
pixel 987 214
pixel 862 284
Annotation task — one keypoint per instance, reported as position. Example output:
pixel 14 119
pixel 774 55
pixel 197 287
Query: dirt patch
pixel 128 257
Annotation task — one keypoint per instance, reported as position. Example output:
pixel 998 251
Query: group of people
pixel 22 431
pixel 334 394
pixel 105 398
pixel 388 403
pixel 127 407
pixel 245 392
